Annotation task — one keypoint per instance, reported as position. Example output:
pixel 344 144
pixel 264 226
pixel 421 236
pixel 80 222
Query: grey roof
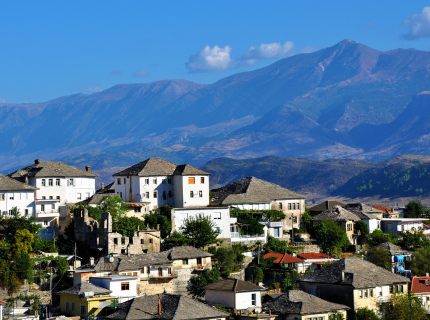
pixel 364 212
pixel 110 188
pixel 325 205
pixel 50 169
pixel 358 273
pixel 173 307
pixel 138 261
pixel 159 167
pixel 233 285
pixel 337 213
pixel 300 302
pixel 85 287
pixel 252 190
pixel 392 248
pixel 7 184
pixel 97 198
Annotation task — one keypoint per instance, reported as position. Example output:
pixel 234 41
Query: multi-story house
pixel 158 182
pixel 397 256
pixel 344 218
pixel 16 194
pixel 57 184
pixel 353 282
pixel 255 194
pixel 420 286
pixel 168 271
pixel 370 216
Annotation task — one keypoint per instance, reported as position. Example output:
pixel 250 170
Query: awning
pixel 103 304
pixel 137 205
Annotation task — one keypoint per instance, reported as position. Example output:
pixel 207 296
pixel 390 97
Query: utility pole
pixel 50 289
pixel 53 236
pixel 258 259
pixel 74 258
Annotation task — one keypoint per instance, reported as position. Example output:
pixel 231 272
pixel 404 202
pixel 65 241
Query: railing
pixel 234 235
pixel 383 299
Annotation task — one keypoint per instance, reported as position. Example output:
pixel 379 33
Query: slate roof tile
pixel 337 213
pixel 392 248
pixel 50 169
pixel 231 284
pixel 9 184
pixel 85 287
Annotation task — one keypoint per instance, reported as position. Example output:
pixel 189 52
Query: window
pixel 79 196
pixel 51 197
pixel 191 194
pixel 289 206
pixel 120 194
pixel 125 286
pixel 169 181
pixel 130 240
pixel 58 197
pixel 73 306
pixel 57 183
pixel 360 294
pixel 164 195
pixel 150 240
pixel 67 305
pixel 191 180
pixel 294 219
pixel 122 251
pixel 163 181
pixel 147 195
pixel 217 215
pixel 137 209
pixel 87 195
pixel 45 222
pixel 83 309
pixel 371 293
pixel 185 261
pixel 42 207
pixel 115 240
pixel 366 295
pixel 2 197
pixel 122 240
pixel 118 180
pixel 160 272
pixel 280 205
pixel 52 206
pixel 70 182
pixel 169 270
pixel 43 182
pixel 170 194
pixel 146 180
pixel 202 180
pixel 155 181
pixel 298 206
pixel 231 228
pixel 200 194
pixel 26 211
pixel 148 270
pixel 253 299
pixel 43 197
pixel 125 181
pixel 50 182
pixel 391 289
pixel 134 274
pixel 155 194
pixel 142 241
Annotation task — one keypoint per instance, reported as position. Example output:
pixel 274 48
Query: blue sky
pixel 55 48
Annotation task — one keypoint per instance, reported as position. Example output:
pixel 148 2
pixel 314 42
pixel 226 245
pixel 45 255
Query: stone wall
pixel 238 275
pixel 314 248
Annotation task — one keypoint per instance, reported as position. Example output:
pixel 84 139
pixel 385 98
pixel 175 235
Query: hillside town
pixel 158 243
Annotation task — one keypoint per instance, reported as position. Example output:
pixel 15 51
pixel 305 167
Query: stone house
pixel 396 254
pixel 255 194
pixel 166 306
pixel 344 218
pixel 353 282
pixel 234 294
pixel 101 241
pixel 167 270
pixel 297 304
pixel 369 215
pixel 16 194
pixel 156 182
pixel 287 261
pixel 420 286
pixel 315 260
pixel 324 206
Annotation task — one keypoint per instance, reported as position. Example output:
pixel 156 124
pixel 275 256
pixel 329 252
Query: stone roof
pixel 357 272
pixel 325 205
pixel 7 183
pixel 159 167
pixel 234 285
pixel 337 213
pixel 138 261
pixel 50 169
pixel 392 249
pixel 173 307
pixel 252 190
pixel 110 188
pixel 364 212
pixel 97 198
pixel 85 287
pixel 300 302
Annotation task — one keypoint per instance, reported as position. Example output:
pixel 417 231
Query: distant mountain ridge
pixel 339 102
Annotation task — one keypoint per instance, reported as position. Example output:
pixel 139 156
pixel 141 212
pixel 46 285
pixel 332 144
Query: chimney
pixel 26 180
pixel 159 305
pixel 37 161
pixel 147 226
pixel 158 227
pixel 343 276
pixel 138 228
pixel 427 274
pixel 91 261
pixel 88 168
pixel 103 185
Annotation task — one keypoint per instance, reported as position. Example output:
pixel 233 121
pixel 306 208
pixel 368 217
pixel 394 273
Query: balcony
pixel 48 213
pixel 383 299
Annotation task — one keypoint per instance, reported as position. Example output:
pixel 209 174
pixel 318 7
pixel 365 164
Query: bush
pixel 275 285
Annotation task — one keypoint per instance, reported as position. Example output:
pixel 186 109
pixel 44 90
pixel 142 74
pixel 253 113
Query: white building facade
pixel 123 288
pixel 158 182
pixel 16 194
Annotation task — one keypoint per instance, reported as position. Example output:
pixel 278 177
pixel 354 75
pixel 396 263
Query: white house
pixel 234 294
pixel 370 216
pixel 16 194
pixel 401 224
pixel 123 288
pixel 255 194
pixel 57 184
pixel 219 215
pixel 237 236
pixel 158 182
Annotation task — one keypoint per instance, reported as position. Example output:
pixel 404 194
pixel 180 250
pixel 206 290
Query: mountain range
pixel 344 101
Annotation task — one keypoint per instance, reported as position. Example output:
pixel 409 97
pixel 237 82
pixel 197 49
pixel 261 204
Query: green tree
pixel 155 219
pixel 376 237
pixel 10 224
pixel 420 263
pixel 365 314
pixel 207 277
pixel 275 245
pixel 414 209
pixel 45 245
pixel 22 242
pixel 258 274
pixel 381 257
pixel 331 236
pixel 306 220
pixel 114 205
pixel 289 282
pixel 362 226
pixel 336 316
pixel 24 267
pixel 404 306
pixel 228 260
pixel 177 239
pixel 127 226
pixel 62 266
pixel 202 230
pixel 414 239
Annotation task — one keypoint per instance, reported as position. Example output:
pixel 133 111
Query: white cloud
pixel 210 59
pixel 419 25
pixel 141 73
pixel 268 51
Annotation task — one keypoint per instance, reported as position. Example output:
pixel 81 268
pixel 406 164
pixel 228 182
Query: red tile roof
pixel 282 258
pixel 383 209
pixel 418 284
pixel 314 256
